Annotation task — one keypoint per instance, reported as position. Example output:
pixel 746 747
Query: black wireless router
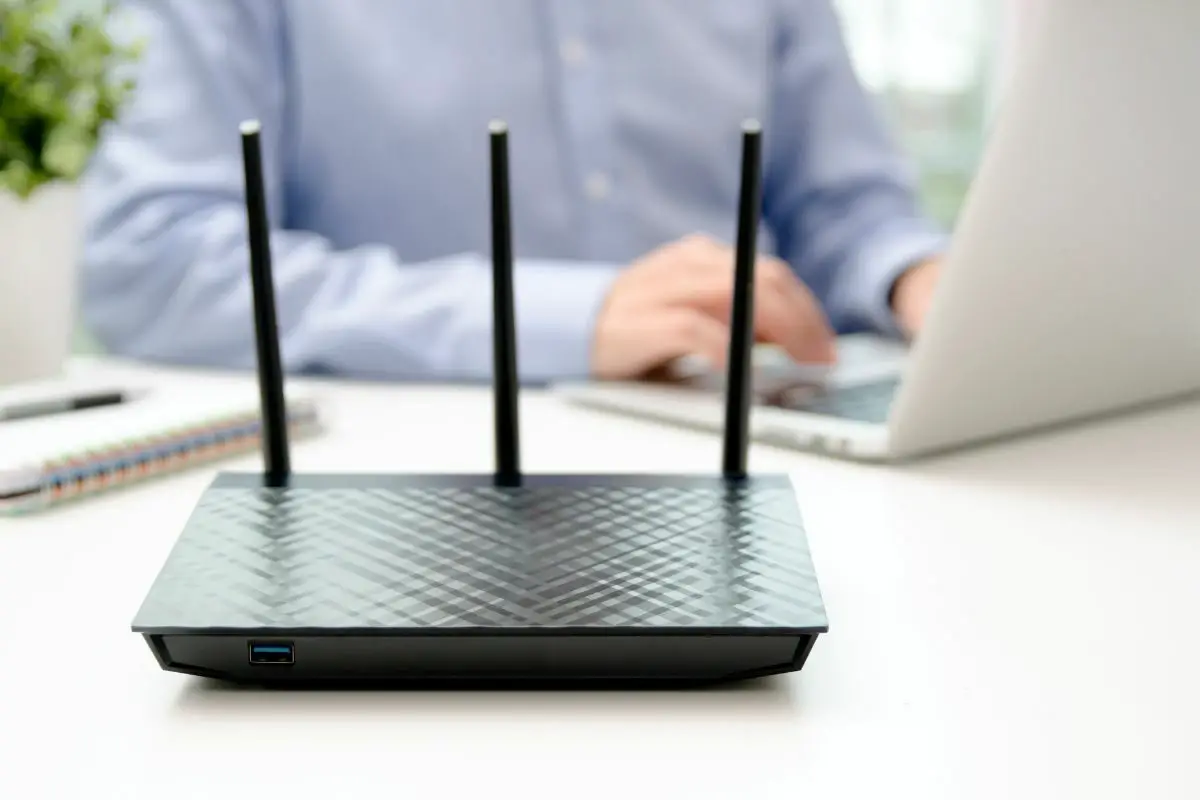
pixel 282 578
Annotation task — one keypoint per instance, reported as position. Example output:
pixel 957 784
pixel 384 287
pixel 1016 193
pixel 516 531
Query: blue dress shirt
pixel 625 123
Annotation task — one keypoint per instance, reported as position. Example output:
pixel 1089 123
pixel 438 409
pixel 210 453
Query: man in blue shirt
pixel 625 123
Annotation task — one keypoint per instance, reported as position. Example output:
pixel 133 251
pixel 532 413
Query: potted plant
pixel 61 81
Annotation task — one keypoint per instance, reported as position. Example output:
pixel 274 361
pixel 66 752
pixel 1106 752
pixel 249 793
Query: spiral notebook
pixel 59 458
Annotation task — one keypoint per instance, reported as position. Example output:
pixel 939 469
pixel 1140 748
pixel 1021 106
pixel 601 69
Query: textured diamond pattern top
pixel 578 552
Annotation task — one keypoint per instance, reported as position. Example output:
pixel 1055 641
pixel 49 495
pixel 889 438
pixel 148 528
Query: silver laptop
pixel 1072 287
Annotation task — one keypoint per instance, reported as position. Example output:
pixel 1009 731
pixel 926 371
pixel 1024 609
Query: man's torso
pixel 624 119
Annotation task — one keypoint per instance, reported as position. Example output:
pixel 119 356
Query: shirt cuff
pixel 867 286
pixel 557 305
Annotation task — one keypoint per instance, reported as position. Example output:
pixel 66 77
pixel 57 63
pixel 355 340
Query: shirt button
pixel 597 186
pixel 573 51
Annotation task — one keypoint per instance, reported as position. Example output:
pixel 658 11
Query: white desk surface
pixel 1016 622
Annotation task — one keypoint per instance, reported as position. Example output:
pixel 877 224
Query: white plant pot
pixel 39 253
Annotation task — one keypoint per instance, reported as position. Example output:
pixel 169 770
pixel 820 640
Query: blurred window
pixel 934 65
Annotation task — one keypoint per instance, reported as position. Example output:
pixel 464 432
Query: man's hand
pixel 676 301
pixel 912 294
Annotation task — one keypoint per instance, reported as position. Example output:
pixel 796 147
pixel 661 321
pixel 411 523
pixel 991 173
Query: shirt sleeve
pixel 839 194
pixel 164 272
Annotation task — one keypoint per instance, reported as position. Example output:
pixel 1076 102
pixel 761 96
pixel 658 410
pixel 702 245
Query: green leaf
pixel 62 80
pixel 67 152
pixel 18 178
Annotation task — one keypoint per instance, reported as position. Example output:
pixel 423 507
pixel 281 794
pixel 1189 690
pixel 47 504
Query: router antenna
pixel 277 466
pixel 739 381
pixel 504 335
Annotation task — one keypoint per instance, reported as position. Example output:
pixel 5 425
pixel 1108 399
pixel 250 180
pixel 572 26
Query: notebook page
pixel 32 442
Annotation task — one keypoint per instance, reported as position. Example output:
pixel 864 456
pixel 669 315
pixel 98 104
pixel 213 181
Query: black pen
pixel 62 405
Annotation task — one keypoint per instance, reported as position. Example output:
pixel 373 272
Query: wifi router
pixel 293 579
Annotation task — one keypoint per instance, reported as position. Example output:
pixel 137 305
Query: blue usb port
pixel 272 653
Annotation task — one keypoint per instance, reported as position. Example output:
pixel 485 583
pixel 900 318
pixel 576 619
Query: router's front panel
pixel 279 658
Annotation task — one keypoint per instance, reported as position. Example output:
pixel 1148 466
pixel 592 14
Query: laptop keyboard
pixel 867 402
